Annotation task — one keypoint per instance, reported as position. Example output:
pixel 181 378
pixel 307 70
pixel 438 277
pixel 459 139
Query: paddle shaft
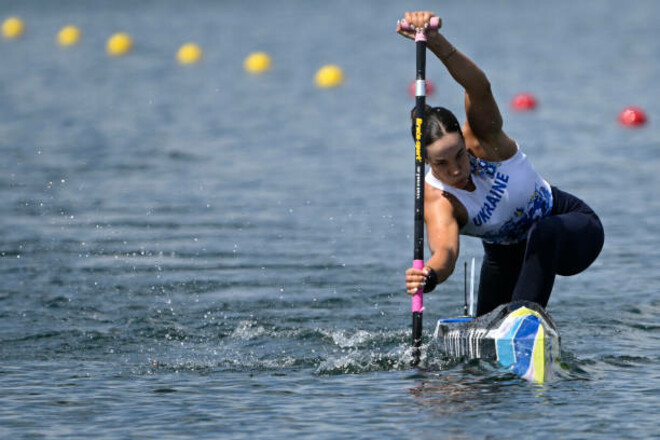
pixel 420 153
pixel 420 156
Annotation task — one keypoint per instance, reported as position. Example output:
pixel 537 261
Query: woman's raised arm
pixel 483 114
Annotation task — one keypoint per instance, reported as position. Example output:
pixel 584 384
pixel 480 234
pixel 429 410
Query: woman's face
pixel 449 161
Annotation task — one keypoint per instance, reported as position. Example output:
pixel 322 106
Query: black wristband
pixel 431 280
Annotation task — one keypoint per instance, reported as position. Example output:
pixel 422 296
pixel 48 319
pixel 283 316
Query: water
pixel 196 252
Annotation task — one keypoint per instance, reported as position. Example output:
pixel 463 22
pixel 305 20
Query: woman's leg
pixel 499 273
pixel 565 243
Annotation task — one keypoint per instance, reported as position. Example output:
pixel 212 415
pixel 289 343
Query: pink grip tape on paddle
pixel 420 34
pixel 418 297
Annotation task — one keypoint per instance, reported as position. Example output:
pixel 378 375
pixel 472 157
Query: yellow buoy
pixel 257 62
pixel 189 53
pixel 68 36
pixel 13 28
pixel 119 44
pixel 329 76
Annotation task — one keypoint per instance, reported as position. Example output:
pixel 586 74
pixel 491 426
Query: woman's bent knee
pixel 566 243
pixel 587 247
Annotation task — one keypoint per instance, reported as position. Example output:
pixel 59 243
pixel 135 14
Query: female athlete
pixel 481 184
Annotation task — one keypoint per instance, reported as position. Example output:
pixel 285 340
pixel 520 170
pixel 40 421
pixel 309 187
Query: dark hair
pixel 438 121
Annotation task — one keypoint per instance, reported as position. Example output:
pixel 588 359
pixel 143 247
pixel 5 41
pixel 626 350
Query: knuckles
pixel 418 19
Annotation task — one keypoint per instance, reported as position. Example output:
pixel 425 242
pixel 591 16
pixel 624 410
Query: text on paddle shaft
pixel 418 139
pixel 492 199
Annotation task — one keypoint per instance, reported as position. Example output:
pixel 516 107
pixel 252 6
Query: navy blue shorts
pixel 564 243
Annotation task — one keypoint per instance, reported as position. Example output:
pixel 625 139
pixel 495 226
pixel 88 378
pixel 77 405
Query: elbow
pixel 485 86
pixel 480 86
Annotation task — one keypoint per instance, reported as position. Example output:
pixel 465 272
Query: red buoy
pixel 632 117
pixel 523 102
pixel 430 88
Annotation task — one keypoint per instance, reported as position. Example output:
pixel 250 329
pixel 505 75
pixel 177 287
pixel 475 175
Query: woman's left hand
pixel 415 279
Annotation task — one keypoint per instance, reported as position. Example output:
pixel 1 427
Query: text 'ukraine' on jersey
pixel 509 196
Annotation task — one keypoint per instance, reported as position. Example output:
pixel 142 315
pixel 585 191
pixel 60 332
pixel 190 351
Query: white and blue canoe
pixel 520 336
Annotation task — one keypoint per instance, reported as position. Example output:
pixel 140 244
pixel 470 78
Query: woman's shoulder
pixel 497 148
pixel 440 203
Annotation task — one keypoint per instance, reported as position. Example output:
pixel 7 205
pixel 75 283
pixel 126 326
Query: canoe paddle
pixel 420 155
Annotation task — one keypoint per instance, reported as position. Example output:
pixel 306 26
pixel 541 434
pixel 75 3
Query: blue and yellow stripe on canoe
pixel 521 344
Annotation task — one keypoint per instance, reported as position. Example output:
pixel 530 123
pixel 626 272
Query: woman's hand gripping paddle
pixel 420 156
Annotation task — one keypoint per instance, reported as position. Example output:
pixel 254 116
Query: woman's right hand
pixel 417 19
pixel 416 279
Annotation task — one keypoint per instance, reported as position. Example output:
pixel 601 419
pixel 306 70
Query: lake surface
pixel 198 252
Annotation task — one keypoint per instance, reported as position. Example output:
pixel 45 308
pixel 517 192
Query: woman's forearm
pixel 443 263
pixel 461 68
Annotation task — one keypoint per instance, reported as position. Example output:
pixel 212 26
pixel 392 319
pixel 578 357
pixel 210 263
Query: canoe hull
pixel 520 336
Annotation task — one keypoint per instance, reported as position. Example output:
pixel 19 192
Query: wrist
pixel 442 48
pixel 431 280
pixel 444 57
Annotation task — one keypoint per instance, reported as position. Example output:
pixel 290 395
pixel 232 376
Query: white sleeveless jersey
pixel 509 197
